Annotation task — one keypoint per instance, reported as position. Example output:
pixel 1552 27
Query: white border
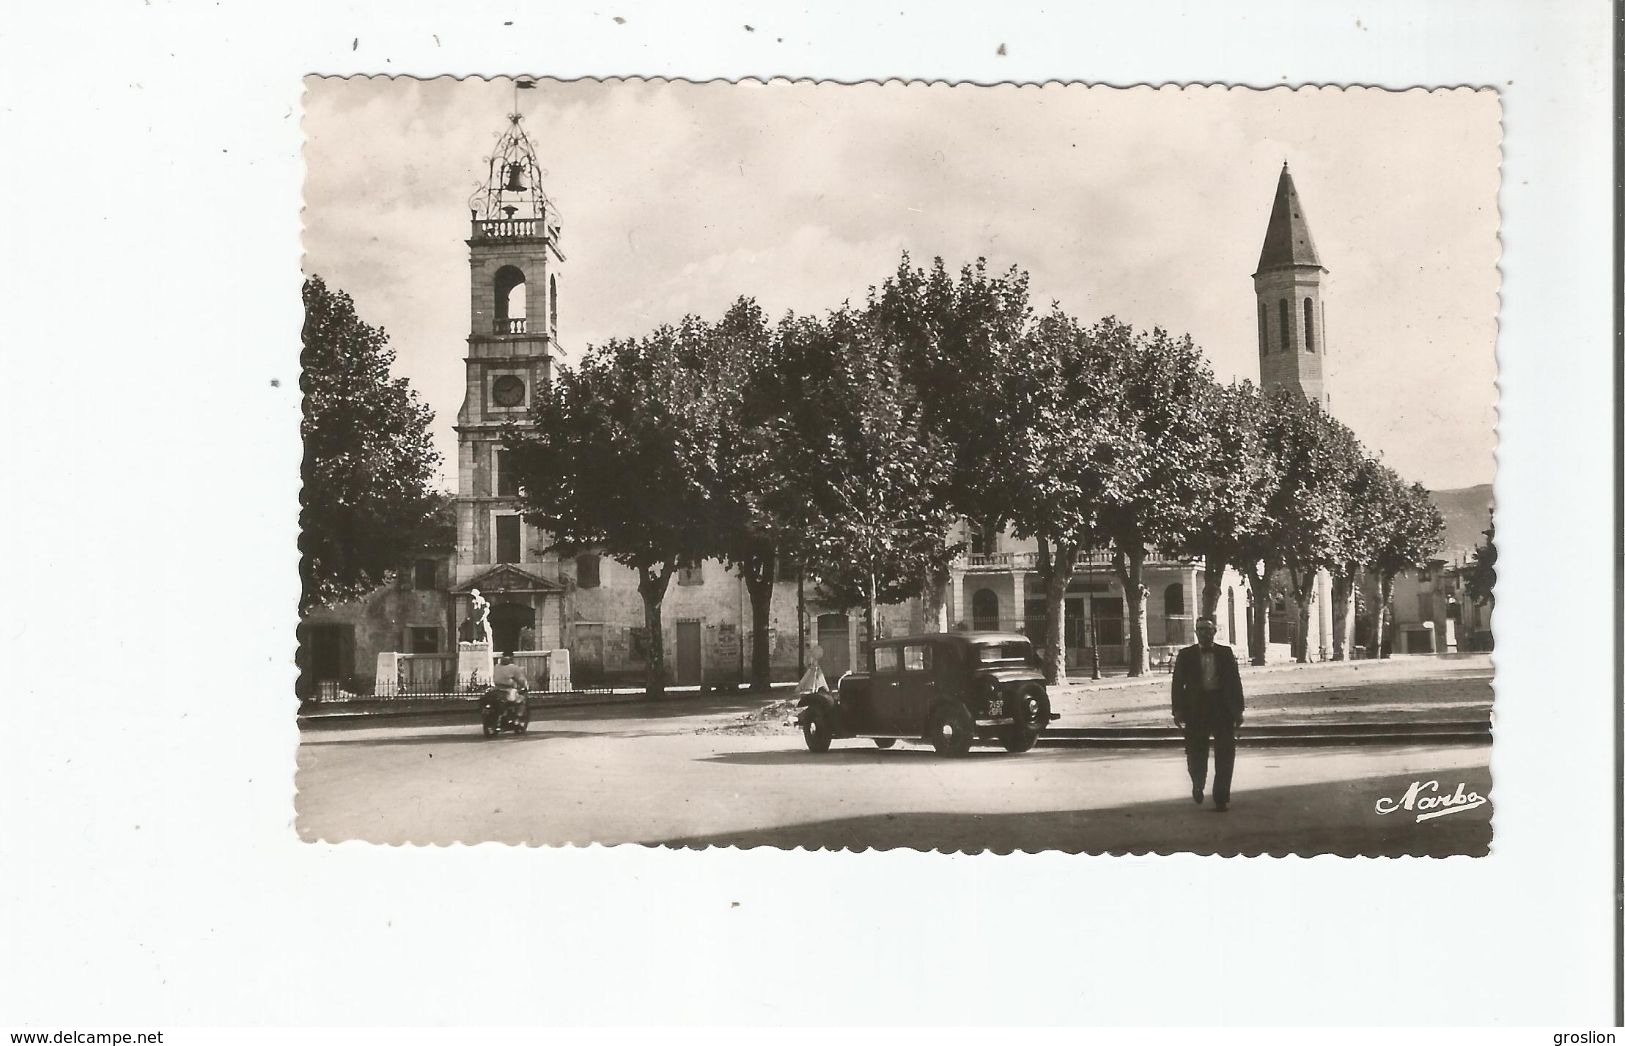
pixel 151 871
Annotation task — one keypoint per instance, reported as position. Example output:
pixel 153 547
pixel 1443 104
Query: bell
pixel 514 183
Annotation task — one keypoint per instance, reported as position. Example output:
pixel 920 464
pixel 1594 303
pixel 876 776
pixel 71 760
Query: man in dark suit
pixel 1208 707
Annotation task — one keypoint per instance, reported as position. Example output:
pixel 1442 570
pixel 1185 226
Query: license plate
pixel 995 707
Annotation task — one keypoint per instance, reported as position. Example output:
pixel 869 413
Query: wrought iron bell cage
pixel 513 181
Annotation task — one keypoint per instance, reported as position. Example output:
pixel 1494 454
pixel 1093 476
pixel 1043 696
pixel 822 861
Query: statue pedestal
pixel 386 677
pixel 558 671
pixel 475 666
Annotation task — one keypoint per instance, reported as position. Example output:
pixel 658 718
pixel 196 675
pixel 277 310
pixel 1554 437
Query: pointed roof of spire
pixel 1287 241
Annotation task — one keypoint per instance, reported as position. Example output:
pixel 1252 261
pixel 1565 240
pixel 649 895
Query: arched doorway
pixel 834 646
pixel 1174 618
pixel 984 610
pixel 507 620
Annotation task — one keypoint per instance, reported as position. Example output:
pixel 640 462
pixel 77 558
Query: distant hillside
pixel 1466 517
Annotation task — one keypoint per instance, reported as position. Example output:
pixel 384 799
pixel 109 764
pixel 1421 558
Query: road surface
pixel 689 775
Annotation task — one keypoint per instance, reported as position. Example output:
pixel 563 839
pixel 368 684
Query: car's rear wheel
pixel 816 728
pixel 885 742
pixel 950 731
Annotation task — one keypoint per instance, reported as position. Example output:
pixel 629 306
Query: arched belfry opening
pixel 508 286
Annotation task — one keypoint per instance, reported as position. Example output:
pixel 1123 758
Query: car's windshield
pixel 1018 650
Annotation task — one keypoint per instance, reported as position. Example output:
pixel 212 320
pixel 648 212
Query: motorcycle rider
pixel 508 675
pixel 508 684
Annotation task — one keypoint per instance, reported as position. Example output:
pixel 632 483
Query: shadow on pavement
pixel 670 708
pixel 472 735
pixel 1331 817
pixel 795 754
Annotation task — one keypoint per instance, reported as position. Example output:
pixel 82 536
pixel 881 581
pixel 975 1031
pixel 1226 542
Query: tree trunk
pixel 652 586
pixel 871 610
pixel 934 596
pixel 1343 590
pixel 761 573
pixel 801 622
pixel 1303 595
pixel 1131 571
pixel 1385 592
pixel 1212 588
pixel 1258 594
pixel 1053 564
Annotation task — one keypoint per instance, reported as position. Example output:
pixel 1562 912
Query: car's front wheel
pixel 885 742
pixel 816 728
pixel 951 731
pixel 1032 715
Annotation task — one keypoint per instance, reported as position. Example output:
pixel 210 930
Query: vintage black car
pixel 950 690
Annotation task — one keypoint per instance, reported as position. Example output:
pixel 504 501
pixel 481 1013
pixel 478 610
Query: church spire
pixel 1287 242
pixel 1291 305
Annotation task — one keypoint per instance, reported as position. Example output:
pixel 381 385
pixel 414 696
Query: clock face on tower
pixel 508 391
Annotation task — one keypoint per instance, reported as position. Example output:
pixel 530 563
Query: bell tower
pixel 513 249
pixel 1291 310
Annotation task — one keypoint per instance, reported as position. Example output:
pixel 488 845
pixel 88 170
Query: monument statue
pixel 479 617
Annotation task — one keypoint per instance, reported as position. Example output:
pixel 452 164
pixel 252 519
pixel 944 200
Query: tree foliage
pixel 848 443
pixel 369 498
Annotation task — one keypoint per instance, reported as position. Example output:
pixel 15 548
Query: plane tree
pixel 863 477
pixel 1416 533
pixel 369 497
pixel 1375 497
pixel 623 455
pixel 957 339
pixel 1166 403
pixel 754 533
pixel 1242 479
pixel 1317 457
pixel 1055 456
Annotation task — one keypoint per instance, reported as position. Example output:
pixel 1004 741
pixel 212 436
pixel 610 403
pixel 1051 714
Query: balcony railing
pixel 512 228
pixel 511 326
pixel 1029 560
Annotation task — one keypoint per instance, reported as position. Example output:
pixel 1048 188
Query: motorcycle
pixel 504 709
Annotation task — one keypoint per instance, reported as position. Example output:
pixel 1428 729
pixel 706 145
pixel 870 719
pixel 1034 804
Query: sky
pixel 1148 204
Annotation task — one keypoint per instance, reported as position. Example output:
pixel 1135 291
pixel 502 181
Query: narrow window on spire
pixel 1309 324
pixel 1263 331
pixel 1286 327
